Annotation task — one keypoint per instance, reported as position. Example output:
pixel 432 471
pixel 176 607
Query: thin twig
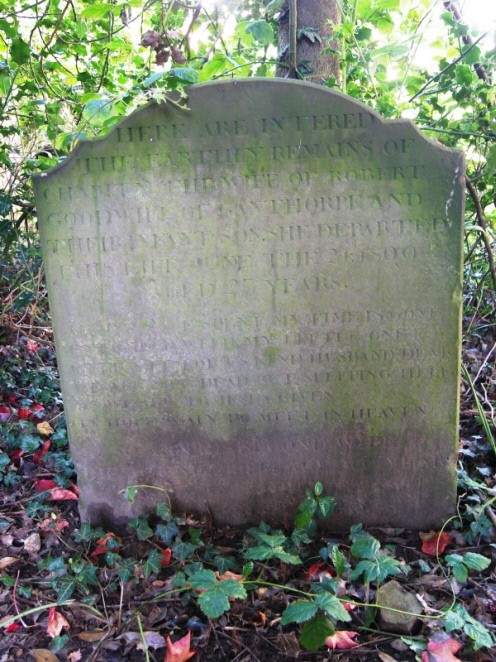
pixel 482 222
pixel 14 599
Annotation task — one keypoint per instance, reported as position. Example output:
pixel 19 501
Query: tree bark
pixel 299 56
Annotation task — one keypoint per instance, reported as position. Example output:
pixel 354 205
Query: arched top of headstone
pixel 253 109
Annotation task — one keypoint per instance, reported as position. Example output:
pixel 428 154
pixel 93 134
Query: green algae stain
pixel 270 355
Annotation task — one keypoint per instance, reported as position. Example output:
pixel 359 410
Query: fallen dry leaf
pixel 53 524
pixel 75 656
pixel 6 561
pixel 228 575
pixel 434 542
pixel 45 428
pixel 384 657
pixel 44 484
pixel 32 544
pixel 153 639
pixel 56 623
pixel 59 494
pixel 180 650
pixel 92 635
pixel 342 640
pixel 442 651
pixel 43 655
pixel 166 556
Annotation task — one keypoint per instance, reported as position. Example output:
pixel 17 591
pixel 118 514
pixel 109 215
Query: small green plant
pixel 462 563
pixel 315 507
pixel 374 565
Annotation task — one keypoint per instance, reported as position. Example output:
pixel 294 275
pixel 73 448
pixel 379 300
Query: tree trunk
pixel 304 32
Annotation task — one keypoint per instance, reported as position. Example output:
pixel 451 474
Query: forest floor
pixel 69 592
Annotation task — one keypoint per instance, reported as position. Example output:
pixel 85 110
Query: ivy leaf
pixel 332 606
pixel 66 587
pixel 298 611
pixel 315 632
pixel 261 31
pixel 185 74
pixel 141 527
pixel 260 553
pixel 311 33
pixel 287 557
pixel 390 5
pixel 166 532
pixel 154 77
pixel 183 550
pixel 273 6
pixel 98 110
pixel 96 11
pixel 153 563
pixel 19 51
pixel 272 540
pixel 29 443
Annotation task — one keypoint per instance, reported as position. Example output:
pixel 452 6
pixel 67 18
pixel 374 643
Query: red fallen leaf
pixel 32 346
pixel 12 627
pixel 180 650
pixel 102 544
pixel 12 401
pixel 44 485
pixel 442 651
pixel 317 571
pixel 4 413
pixel 56 623
pixel 434 542
pixel 56 525
pixel 342 640
pixel 15 456
pixel 348 607
pixel 37 412
pixel 42 452
pixel 24 414
pixel 166 556
pixel 60 494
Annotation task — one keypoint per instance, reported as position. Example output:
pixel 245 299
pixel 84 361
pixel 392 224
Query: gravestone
pixel 255 293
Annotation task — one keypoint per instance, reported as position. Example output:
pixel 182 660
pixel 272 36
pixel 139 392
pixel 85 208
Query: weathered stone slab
pixel 254 294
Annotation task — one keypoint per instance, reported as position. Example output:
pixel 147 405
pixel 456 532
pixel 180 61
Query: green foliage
pixel 315 632
pixel 141 527
pixel 272 545
pixel 315 507
pixel 215 594
pixel 376 565
pixel 461 564
pixel 299 611
pixel 459 619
